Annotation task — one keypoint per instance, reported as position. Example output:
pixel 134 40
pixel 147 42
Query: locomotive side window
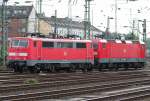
pixel 35 43
pixel 19 43
pixel 95 45
pixel 91 45
pixel 64 45
pixel 81 45
pixel 47 44
pixel 104 45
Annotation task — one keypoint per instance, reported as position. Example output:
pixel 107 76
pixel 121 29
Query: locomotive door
pixel 38 50
pixel 88 52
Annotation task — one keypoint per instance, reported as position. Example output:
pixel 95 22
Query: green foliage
pixel 148 43
pixel 1 61
pixel 31 81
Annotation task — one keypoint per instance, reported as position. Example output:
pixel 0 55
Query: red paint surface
pixel 39 53
pixel 120 50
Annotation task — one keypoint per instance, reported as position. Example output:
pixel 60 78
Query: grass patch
pixel 31 81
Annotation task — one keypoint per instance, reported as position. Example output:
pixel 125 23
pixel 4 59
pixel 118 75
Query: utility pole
pixel 144 30
pixel 69 19
pixel 40 4
pixel 133 27
pixel 55 29
pixel 39 11
pixel 116 8
pixel 108 27
pixel 4 33
pixel 87 22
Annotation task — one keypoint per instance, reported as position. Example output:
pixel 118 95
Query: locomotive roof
pixel 120 41
pixel 55 40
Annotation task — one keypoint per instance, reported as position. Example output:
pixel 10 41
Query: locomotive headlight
pixel 11 54
pixel 23 54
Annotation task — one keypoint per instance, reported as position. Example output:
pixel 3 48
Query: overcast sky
pixel 100 10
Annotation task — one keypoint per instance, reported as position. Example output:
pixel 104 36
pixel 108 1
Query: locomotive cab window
pixel 19 43
pixel 81 45
pixel 47 44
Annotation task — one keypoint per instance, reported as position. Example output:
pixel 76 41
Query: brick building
pixel 24 19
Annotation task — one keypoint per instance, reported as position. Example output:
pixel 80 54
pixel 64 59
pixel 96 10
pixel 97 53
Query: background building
pixel 22 20
pixel 66 26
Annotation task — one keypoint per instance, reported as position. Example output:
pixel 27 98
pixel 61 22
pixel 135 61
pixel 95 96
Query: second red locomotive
pixel 114 54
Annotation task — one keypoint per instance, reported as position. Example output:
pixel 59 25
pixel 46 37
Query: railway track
pixel 56 77
pixel 60 85
pixel 75 80
pixel 136 94
pixel 68 81
pixel 51 94
pixel 16 76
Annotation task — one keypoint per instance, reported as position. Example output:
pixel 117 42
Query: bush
pixel 31 81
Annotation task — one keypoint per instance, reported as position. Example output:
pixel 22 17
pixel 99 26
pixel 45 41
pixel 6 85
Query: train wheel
pixel 20 69
pixel 84 68
pixel 73 68
pixel 126 68
pixel 36 69
pixel 31 69
pixel 53 68
pixel 50 68
pixel 99 69
pixel 15 69
pixel 117 67
pixel 110 67
pixel 89 68
pixel 141 65
pixel 135 66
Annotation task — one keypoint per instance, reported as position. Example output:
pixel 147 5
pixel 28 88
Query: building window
pixel 81 45
pixel 8 12
pixel 20 11
pixel 23 29
pixel 15 12
pixel 24 12
pixel 9 29
pixel 47 44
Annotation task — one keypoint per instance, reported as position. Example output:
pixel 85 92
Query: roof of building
pixel 65 22
pixel 18 11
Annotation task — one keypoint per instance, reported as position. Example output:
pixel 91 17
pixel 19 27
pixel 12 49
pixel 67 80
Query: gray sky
pixel 100 10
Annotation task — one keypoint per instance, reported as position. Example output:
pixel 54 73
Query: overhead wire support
pixel 4 33
pixel 87 22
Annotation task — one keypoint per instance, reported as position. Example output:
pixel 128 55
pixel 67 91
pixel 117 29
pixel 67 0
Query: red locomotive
pixel 39 54
pixel 119 54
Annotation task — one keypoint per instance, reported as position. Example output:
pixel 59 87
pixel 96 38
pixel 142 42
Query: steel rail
pixel 56 78
pixel 71 91
pixel 130 95
pixel 62 83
